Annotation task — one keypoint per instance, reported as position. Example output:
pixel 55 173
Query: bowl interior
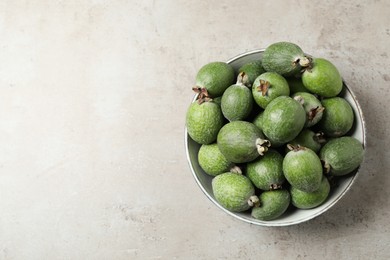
pixel 292 216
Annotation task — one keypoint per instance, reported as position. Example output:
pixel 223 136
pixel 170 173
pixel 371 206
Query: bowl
pixel 292 216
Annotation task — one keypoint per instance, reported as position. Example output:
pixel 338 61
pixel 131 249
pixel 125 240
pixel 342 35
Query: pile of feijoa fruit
pixel 275 134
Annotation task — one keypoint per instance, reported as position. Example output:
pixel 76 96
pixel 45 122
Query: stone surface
pixel 93 96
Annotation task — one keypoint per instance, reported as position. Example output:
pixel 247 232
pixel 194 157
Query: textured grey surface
pixel 93 96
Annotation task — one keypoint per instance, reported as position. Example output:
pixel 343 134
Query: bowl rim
pixel 284 223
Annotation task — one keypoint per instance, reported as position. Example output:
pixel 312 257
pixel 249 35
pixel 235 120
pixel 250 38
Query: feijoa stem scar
pixel 203 95
pixel 263 87
pixel 295 148
pixel 319 137
pixel 262 145
pixel 300 100
pixel 275 186
pixel 236 169
pixel 242 79
pixel 326 166
pixel 314 111
pixel 254 201
pixel 304 62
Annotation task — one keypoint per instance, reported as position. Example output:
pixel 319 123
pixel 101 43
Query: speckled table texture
pixel 93 96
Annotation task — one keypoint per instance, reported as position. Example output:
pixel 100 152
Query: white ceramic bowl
pixel 294 216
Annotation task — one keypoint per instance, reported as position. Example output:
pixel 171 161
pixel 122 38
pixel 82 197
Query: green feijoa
pixel 257 121
pixel 283 120
pixel 322 78
pixel 312 106
pixel 272 204
pixel 237 100
pixel 337 118
pixel 296 85
pixel 269 86
pixel 266 172
pixel 285 58
pixel 253 69
pixel 309 139
pixel 308 200
pixel 204 121
pixel 241 142
pixel 216 77
pixel 212 161
pixel 302 168
pixel 342 155
pixel 234 192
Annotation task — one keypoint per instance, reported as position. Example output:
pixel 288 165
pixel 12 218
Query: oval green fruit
pixel 272 205
pixel 342 155
pixel 269 86
pixel 233 191
pixel 212 161
pixel 284 58
pixel 308 200
pixel 252 69
pixel 237 102
pixel 204 121
pixel 266 172
pixel 303 169
pixel 323 78
pixel 283 120
pixel 312 106
pixel 337 118
pixel 241 141
pixel 216 77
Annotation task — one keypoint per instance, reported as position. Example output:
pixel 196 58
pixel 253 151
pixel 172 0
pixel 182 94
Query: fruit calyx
pixel 295 148
pixel 235 169
pixel 305 62
pixel 254 201
pixel 325 166
pixel 263 87
pixel 314 111
pixel 242 79
pixel 262 145
pixel 319 137
pixel 300 100
pixel 203 94
pixel 275 186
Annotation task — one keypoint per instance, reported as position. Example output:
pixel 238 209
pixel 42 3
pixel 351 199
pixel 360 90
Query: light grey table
pixel 93 96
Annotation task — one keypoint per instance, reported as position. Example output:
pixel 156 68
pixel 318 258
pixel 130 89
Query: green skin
pixel 237 102
pixel 323 78
pixel 204 121
pixel 266 172
pixel 296 85
pixel 281 58
pixel 343 155
pixel 303 169
pixel 212 161
pixel 252 69
pixel 217 100
pixel 283 120
pixel 337 118
pixel 237 141
pixel 309 200
pixel 278 87
pixel 307 138
pixel 216 77
pixel 257 121
pixel 309 102
pixel 232 191
pixel 272 205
